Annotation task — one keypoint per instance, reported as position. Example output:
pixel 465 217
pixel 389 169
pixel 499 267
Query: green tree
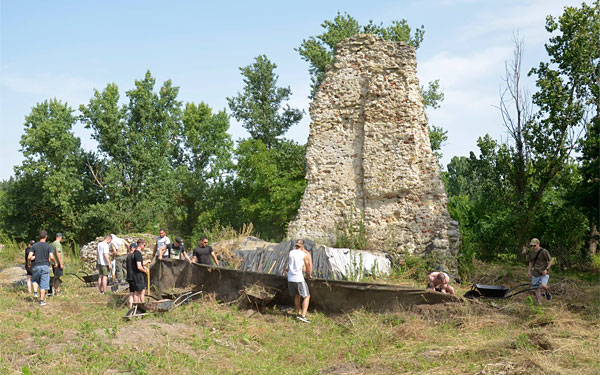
pixel 259 105
pixel 270 185
pixel 319 52
pixel 205 159
pixel 138 143
pixel 49 190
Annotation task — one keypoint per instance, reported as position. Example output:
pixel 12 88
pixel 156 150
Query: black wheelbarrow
pixel 89 280
pixel 497 291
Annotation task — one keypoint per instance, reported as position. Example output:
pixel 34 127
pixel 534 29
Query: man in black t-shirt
pixel 203 253
pixel 40 256
pixel 28 269
pixel 139 271
pixel 129 277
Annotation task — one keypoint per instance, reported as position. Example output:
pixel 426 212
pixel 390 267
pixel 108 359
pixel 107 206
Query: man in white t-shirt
pixel 299 260
pixel 160 248
pixel 104 263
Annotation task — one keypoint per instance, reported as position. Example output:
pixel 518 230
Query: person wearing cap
pixel 299 260
pixel 40 256
pixel 29 271
pixel 58 269
pixel 540 262
pixel 176 250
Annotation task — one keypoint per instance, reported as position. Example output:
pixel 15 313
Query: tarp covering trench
pixel 328 296
pixel 328 263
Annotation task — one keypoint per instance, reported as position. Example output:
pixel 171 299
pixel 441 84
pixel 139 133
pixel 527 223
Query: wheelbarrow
pixel 89 280
pixel 140 309
pixel 497 291
pixel 259 295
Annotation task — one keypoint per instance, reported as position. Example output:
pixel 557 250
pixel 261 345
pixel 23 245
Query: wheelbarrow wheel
pixel 471 294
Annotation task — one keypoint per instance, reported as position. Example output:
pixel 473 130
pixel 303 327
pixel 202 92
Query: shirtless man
pixel 439 282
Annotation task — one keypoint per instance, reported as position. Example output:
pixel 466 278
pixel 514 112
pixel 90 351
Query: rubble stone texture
pixel 368 155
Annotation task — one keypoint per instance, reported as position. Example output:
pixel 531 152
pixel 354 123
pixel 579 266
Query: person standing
pixel 160 248
pixel 299 259
pixel 120 249
pixel 129 263
pixel 139 270
pixel 58 270
pixel 203 253
pixel 540 262
pixel 104 265
pixel 40 256
pixel 30 284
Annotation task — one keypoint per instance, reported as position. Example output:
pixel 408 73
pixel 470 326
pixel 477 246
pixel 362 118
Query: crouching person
pixel 439 281
pixel 298 260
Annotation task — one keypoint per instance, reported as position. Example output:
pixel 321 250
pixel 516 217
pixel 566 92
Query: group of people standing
pixel 38 256
pixel 125 261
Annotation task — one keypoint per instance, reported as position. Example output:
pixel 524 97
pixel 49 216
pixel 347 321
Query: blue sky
pixel 66 49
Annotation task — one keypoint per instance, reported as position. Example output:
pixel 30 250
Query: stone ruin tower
pixel 369 156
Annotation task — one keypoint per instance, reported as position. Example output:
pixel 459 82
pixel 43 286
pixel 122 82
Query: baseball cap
pixel 59 234
pixel 31 242
pixel 534 241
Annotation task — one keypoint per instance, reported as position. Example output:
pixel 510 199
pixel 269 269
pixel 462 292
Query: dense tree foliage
pixel 531 185
pixel 259 106
pixel 270 170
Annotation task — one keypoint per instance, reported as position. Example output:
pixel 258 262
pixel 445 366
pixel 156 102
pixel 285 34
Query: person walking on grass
pixel 58 270
pixel 40 256
pixel 299 260
pixel 30 284
pixel 540 262
pixel 104 265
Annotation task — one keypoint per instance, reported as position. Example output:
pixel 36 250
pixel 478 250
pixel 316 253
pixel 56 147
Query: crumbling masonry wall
pixel 369 154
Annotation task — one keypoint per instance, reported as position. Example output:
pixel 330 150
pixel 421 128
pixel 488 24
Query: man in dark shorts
pixel 41 256
pixel 29 271
pixel 139 281
pixel 129 268
pixel 299 260
pixel 59 269
pixel 203 253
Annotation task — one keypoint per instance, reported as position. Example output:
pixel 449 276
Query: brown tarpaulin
pixel 331 296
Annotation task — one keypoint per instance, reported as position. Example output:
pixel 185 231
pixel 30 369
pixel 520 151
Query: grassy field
pixel 83 332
